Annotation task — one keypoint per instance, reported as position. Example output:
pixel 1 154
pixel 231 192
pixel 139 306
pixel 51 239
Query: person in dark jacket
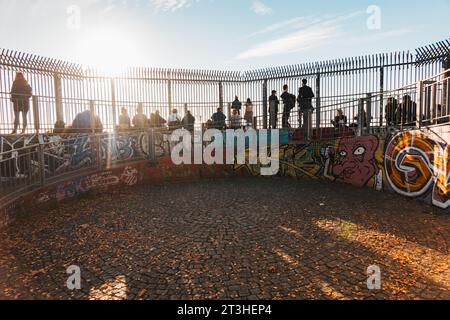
pixel 391 111
pixel 408 110
pixel 340 121
pixel 236 105
pixel 305 96
pixel 20 97
pixel 218 119
pixel 188 122
pixel 274 109
pixel 289 104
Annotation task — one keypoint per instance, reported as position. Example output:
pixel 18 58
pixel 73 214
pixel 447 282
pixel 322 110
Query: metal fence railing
pixel 37 164
pixel 62 90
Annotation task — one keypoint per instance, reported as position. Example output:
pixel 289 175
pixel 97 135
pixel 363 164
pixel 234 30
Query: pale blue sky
pixel 218 34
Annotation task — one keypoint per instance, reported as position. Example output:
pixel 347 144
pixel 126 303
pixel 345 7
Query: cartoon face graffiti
pixel 354 161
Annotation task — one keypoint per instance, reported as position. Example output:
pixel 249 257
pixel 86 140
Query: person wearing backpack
pixel 289 104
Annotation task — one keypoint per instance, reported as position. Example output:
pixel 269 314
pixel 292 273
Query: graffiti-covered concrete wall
pixel 415 164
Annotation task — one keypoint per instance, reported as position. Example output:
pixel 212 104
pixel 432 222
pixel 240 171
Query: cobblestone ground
pixel 233 239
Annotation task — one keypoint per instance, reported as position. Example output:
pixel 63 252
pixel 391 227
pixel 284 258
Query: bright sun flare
pixel 109 50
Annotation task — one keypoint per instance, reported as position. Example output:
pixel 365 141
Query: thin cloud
pixel 172 5
pixel 310 31
pixel 306 21
pixel 294 42
pixel 260 8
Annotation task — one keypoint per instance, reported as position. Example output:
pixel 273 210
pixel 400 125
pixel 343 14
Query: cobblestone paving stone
pixel 230 239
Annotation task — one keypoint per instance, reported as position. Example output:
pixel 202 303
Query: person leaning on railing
pixel 274 109
pixel 340 121
pixel 391 110
pixel 156 121
pixel 218 119
pixel 235 120
pixel 140 120
pixel 174 120
pixel 21 93
pixel 188 122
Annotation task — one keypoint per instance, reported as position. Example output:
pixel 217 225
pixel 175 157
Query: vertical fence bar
pixel 381 95
pixel 420 104
pixel 265 104
pixel 114 104
pixel 318 103
pixel 360 116
pixel 169 95
pixel 41 161
pixel 92 111
pixel 37 125
pixel 221 95
pixel 58 97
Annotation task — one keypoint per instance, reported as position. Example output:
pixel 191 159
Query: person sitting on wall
pixel 189 122
pixel 218 119
pixel 358 118
pixel 60 127
pixel 391 111
pixel 174 120
pixel 140 120
pixel 124 120
pixel 156 121
pixel 83 124
pixel 235 120
pixel 340 121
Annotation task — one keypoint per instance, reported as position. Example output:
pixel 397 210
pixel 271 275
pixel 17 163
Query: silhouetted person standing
pixel 289 104
pixel 273 109
pixel 391 111
pixel 249 112
pixel 236 105
pixel 189 122
pixel 305 96
pixel 20 97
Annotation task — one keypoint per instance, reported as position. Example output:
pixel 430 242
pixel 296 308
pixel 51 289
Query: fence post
pixel 41 161
pixel 360 117
pixel 419 110
pixel 169 95
pixel 265 106
pixel 113 103
pixel 37 123
pixel 92 110
pixel 368 113
pixel 318 103
pixel 221 95
pixel 58 97
pixel 151 145
pixel 381 96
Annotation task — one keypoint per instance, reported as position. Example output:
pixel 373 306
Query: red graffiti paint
pixel 355 161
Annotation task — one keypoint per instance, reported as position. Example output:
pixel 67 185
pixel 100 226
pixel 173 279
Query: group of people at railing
pixel 396 113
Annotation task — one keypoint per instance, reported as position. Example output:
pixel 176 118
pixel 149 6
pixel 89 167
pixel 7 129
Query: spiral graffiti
pixel 416 164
